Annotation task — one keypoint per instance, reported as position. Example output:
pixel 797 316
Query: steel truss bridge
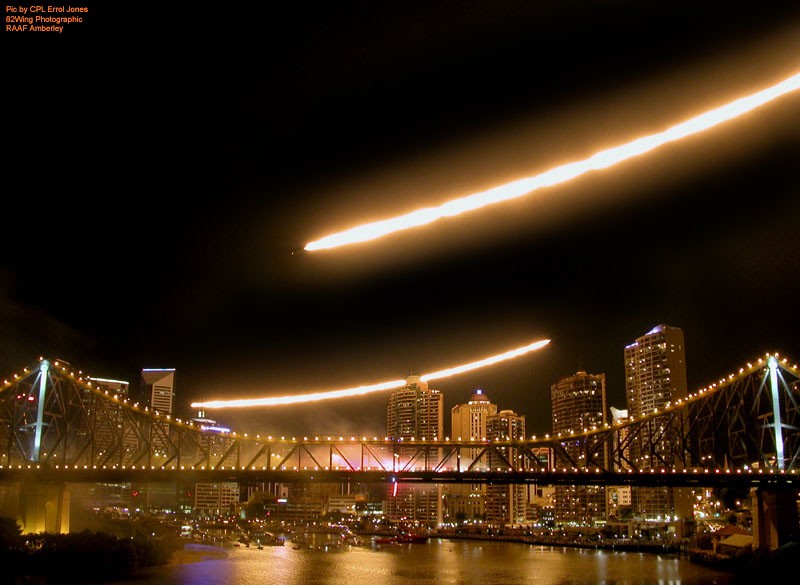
pixel 58 424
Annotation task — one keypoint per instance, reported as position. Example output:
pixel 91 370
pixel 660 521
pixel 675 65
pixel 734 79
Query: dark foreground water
pixel 438 562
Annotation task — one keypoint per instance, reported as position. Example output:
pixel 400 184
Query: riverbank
pixel 655 547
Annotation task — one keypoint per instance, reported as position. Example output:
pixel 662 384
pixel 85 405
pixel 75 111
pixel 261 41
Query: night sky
pixel 167 166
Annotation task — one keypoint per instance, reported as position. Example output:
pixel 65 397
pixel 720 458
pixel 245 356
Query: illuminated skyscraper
pixel 505 504
pixel 655 375
pixel 578 403
pixel 469 420
pixel 415 411
pixel 158 394
pixel 466 501
pixel 655 371
pixel 158 389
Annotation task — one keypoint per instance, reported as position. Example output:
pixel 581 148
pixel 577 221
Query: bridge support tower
pixel 775 518
pixel 44 507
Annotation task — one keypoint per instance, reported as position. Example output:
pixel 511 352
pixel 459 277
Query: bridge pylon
pixel 775 518
pixel 38 506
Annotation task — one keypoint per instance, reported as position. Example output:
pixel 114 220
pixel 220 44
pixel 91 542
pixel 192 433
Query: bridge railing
pixel 53 417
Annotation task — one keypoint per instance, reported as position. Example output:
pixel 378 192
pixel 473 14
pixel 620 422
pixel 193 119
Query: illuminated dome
pixel 479 396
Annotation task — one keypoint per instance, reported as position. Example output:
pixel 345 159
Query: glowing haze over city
pixel 299 219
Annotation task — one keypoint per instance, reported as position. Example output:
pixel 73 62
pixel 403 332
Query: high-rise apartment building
pixel 655 375
pixel 468 421
pixel 415 412
pixel 506 504
pixel 655 370
pixel 578 402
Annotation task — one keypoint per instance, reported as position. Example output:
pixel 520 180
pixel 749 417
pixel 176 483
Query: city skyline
pixel 451 405
pixel 163 226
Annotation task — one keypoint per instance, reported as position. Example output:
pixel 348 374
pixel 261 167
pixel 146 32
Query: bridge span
pixel 697 478
pixel 748 422
pixel 58 426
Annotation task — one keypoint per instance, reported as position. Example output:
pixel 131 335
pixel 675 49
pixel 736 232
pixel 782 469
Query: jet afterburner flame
pixel 360 390
pixel 560 174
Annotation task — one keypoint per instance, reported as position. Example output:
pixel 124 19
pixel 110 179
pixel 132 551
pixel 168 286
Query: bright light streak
pixel 485 362
pixel 360 390
pixel 561 174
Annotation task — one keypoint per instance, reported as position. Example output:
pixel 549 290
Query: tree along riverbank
pixel 81 555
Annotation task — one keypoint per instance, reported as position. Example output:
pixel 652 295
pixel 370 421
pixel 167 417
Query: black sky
pixel 165 167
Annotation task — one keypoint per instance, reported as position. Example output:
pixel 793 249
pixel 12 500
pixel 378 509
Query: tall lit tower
pixel 578 402
pixel 655 370
pixel 158 388
pixel 506 504
pixel 655 374
pixel 468 420
pixel 415 411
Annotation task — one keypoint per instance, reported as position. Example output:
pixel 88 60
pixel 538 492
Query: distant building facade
pixel 578 403
pixel 108 425
pixel 655 375
pixel 506 504
pixel 158 389
pixel 414 412
pixel 465 502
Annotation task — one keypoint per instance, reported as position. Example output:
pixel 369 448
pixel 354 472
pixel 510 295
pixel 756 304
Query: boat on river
pixel 411 538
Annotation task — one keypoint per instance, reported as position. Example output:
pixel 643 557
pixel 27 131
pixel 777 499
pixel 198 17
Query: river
pixel 437 562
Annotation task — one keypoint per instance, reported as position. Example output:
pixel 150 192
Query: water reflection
pixel 438 562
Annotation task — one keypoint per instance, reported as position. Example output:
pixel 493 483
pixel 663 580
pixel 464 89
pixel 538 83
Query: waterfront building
pixel 619 498
pixel 155 497
pixel 506 504
pixel 541 505
pixel 216 499
pixel 578 403
pixel 655 371
pixel 469 420
pixel 465 502
pixel 655 375
pixel 414 411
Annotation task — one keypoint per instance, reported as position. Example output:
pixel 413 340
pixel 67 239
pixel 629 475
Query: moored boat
pixel 412 538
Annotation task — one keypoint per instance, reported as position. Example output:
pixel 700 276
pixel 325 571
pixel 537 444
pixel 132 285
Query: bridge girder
pixel 74 425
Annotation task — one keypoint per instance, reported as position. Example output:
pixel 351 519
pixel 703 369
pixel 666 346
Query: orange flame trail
pixel 360 390
pixel 557 175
